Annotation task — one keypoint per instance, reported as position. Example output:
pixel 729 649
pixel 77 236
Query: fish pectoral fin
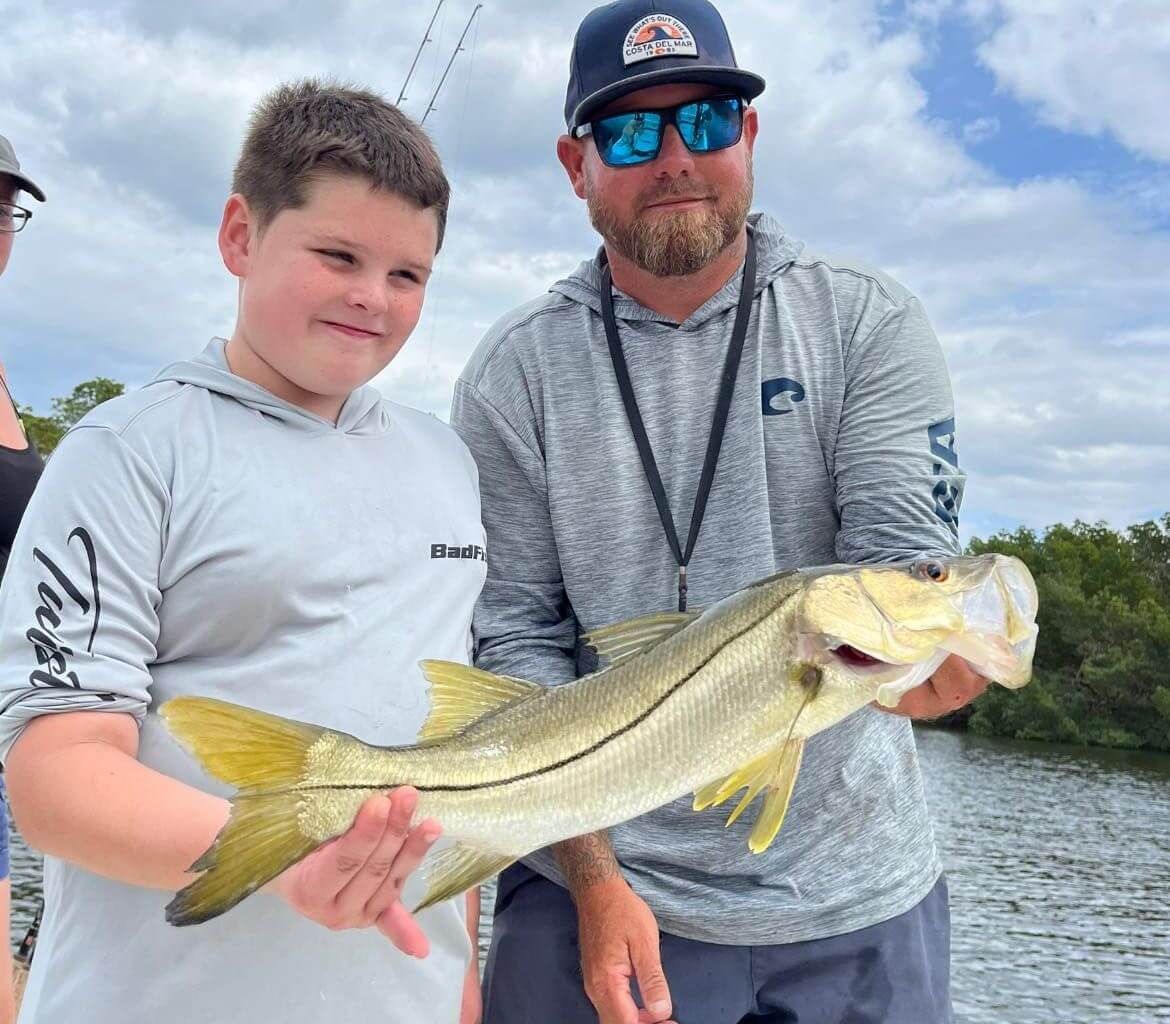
pixel 780 788
pixel 775 772
pixel 626 639
pixel 458 869
pixel 260 840
pixel 461 694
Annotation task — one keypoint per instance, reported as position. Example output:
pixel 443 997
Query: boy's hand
pixel 356 880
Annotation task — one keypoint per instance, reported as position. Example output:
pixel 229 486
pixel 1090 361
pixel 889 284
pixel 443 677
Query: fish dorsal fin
pixel 623 640
pixel 775 772
pixel 461 694
pixel 457 869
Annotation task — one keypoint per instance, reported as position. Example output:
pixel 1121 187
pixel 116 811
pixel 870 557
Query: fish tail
pixel 264 757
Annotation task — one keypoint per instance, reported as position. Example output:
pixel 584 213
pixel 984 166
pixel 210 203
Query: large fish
pixel 710 702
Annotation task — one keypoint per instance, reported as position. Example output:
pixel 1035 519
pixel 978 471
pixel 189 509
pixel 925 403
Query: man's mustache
pixel 676 191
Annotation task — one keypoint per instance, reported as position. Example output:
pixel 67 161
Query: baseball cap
pixel 634 44
pixel 11 166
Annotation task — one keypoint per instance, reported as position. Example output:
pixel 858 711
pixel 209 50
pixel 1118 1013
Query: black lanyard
pixel 747 289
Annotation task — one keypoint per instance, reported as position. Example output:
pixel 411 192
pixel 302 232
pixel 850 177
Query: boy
pixel 256 525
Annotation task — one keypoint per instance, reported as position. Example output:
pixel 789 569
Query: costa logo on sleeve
pixel 658 35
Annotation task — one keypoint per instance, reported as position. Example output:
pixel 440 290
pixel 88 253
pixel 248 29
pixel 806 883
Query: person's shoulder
pixel 852 278
pixel 140 411
pixel 429 435
pixel 143 420
pixel 515 339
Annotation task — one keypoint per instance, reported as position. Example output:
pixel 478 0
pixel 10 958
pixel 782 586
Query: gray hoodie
pixel 201 536
pixel 839 448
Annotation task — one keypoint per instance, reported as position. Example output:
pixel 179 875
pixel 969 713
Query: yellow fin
pixel 248 749
pixel 780 788
pixel 623 640
pixel 261 839
pixel 457 869
pixel 775 772
pixel 461 694
pixel 264 757
pixel 721 790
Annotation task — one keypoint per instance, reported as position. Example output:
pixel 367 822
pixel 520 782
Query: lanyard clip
pixel 682 588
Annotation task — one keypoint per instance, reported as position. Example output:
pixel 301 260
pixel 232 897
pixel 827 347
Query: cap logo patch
pixel 658 35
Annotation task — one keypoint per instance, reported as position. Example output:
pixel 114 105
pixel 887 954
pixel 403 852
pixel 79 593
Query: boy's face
pixel 329 292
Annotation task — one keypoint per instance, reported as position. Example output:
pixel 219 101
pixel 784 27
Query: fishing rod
pixel 418 53
pixel 458 49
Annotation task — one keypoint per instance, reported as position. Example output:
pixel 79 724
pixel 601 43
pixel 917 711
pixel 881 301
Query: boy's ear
pixel 236 235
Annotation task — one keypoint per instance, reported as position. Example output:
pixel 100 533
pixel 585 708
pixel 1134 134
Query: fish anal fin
pixel 458 869
pixel 626 639
pixel 780 787
pixel 461 694
pixel 774 772
pixel 721 790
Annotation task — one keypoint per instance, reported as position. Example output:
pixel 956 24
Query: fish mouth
pixel 856 658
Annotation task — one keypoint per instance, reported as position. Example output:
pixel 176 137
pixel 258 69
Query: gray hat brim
pixel 744 83
pixel 25 184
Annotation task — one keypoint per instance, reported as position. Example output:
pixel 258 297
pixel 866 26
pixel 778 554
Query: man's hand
pixel 953 684
pixel 618 935
pixel 619 944
pixel 356 880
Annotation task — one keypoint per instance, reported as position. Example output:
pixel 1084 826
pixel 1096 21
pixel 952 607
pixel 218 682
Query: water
pixel 1059 868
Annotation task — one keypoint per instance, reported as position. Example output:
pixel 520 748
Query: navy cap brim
pixel 743 83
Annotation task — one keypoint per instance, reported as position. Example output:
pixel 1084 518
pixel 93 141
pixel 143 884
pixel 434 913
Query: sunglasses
pixel 635 137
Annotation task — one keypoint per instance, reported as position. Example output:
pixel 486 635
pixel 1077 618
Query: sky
pixel 1006 160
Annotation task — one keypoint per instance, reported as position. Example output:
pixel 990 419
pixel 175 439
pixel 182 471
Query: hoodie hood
pixel 775 251
pixel 364 412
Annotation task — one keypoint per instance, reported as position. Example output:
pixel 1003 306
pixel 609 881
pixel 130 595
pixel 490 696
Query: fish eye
pixel 930 570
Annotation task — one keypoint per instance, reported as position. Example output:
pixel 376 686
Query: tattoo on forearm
pixel 587 860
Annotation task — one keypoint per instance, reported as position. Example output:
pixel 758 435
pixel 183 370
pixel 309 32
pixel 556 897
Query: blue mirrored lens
pixel 710 124
pixel 626 139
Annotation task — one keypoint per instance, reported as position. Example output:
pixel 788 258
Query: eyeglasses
pixel 13 218
pixel 635 137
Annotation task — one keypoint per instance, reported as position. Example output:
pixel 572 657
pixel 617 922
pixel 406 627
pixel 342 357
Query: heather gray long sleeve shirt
pixel 839 448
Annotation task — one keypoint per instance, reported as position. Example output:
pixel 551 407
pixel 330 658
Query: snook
pixel 713 702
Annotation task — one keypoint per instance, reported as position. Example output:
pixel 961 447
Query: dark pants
pixel 896 972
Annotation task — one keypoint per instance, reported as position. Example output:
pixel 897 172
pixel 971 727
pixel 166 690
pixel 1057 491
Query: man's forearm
pixel 586 861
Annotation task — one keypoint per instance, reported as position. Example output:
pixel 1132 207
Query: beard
pixel 678 244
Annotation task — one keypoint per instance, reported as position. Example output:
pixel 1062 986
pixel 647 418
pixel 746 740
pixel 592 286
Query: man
pixel 612 418
pixel 20 467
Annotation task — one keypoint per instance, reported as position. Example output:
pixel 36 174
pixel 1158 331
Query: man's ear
pixel 751 127
pixel 571 153
pixel 236 235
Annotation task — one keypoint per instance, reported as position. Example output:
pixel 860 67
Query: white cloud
pixel 981 130
pixel 1049 296
pixel 1089 66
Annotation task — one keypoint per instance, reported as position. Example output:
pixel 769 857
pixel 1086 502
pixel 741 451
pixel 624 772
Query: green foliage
pixel 1103 657
pixel 46 431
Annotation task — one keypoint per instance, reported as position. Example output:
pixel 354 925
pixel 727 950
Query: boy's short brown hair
pixel 303 129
